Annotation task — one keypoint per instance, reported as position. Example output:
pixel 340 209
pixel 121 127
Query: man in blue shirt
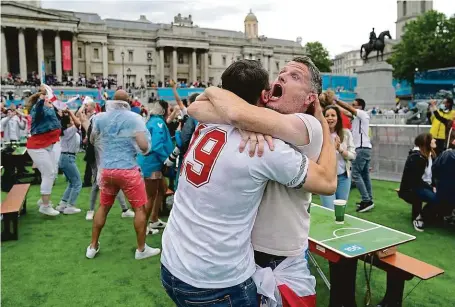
pixel 120 133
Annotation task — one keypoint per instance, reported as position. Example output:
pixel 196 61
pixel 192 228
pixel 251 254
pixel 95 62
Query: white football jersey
pixel 207 241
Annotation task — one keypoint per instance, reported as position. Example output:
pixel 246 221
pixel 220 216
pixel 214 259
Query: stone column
pixel 271 67
pixel 88 59
pixel 75 55
pixel 162 65
pixel 193 66
pixel 206 67
pixel 265 62
pixel 40 53
pixel 174 64
pixel 4 58
pixel 58 57
pixel 22 55
pixel 105 67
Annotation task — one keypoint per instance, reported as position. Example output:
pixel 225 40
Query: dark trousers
pixel 88 174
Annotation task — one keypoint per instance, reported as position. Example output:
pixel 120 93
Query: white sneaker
pixel 151 231
pixel 128 213
pixel 71 210
pixel 147 252
pixel 90 215
pixel 61 206
pixel 158 224
pixel 48 210
pixel 91 252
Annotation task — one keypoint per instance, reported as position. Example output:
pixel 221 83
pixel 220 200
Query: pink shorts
pixel 129 181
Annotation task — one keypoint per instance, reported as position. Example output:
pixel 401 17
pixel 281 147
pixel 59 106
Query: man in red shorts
pixel 121 133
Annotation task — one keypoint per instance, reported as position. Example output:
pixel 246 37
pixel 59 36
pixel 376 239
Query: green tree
pixel 319 55
pixel 428 43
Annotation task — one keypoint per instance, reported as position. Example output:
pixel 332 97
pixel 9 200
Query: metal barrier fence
pixel 388 119
pixel 391 146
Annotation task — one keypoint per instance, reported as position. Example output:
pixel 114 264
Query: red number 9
pixel 206 156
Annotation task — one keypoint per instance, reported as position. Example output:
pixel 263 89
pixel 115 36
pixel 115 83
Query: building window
pixel 210 59
pixel 422 6
pixel 96 53
pixel 130 56
pixel 180 58
pixel 405 8
pixel 79 53
pixel 166 58
pixel 224 60
pixel 198 59
pixel 277 65
pixel 110 55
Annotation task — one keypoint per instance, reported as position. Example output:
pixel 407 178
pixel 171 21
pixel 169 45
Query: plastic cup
pixel 340 208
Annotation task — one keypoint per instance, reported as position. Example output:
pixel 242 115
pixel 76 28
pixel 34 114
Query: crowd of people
pixel 243 160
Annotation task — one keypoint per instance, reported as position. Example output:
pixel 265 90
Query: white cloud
pixel 340 25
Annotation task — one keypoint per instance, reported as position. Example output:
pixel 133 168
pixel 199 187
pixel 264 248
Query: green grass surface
pixel 47 265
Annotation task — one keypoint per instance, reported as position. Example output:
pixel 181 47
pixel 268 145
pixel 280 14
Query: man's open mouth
pixel 276 92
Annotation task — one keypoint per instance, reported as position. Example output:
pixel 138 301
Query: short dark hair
pixel 315 74
pixel 361 102
pixel 193 97
pixel 247 79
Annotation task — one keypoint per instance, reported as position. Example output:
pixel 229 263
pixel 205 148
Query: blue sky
pixel 340 25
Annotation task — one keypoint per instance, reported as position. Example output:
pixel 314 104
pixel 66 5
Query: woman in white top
pixel 345 152
pixel 70 141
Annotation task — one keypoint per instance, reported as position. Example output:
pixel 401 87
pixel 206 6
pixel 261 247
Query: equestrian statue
pixel 375 43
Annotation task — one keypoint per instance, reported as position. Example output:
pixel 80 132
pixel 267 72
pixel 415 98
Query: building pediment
pixel 11 9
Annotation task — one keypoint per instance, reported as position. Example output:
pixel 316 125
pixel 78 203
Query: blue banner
pixel 184 93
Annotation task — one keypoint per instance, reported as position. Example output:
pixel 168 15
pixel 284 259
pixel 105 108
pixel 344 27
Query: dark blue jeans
pixel 361 173
pixel 185 295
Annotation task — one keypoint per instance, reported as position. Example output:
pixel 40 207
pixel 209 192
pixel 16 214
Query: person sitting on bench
pixel 416 183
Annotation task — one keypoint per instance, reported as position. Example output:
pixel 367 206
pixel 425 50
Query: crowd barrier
pixel 391 146
pixel 388 119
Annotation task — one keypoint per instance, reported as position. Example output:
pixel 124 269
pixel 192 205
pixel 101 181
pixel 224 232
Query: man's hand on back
pixel 255 141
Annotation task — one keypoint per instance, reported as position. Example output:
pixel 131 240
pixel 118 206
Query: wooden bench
pixel 400 268
pixel 15 204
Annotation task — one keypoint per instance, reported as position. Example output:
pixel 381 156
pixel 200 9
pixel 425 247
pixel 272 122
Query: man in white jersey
pixel 280 234
pixel 207 253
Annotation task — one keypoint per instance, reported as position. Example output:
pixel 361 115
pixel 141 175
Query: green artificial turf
pixel 47 265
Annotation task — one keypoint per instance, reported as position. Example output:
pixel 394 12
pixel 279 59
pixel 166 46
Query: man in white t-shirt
pixel 207 252
pixel 362 143
pixel 280 233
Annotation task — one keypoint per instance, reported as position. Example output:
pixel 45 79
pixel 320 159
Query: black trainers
pixel 418 225
pixel 365 206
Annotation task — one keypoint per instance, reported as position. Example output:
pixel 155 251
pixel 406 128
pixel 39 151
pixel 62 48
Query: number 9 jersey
pixel 207 241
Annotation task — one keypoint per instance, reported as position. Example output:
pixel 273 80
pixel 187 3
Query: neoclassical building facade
pixel 129 51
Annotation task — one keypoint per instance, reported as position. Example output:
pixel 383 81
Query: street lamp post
pixel 123 69
pixel 128 74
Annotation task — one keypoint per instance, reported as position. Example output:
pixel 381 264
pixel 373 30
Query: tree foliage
pixel 428 43
pixel 319 55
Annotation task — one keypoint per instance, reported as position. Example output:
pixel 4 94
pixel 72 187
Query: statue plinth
pixel 374 85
